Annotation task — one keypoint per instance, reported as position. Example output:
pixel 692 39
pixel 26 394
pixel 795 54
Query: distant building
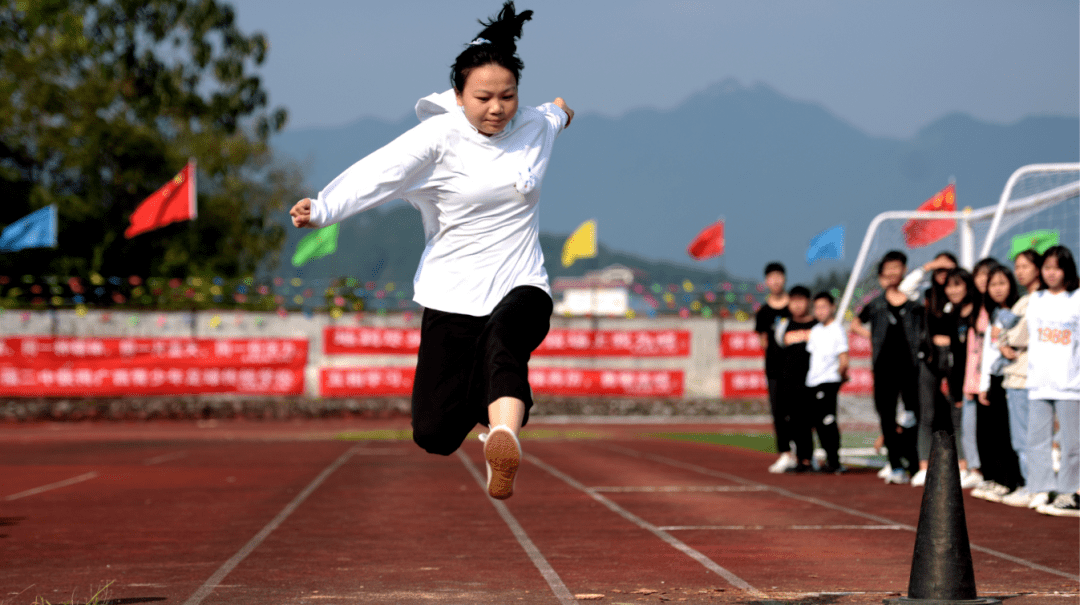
pixel 603 292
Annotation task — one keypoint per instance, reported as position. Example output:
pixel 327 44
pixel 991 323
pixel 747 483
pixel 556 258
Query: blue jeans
pixel 1018 426
pixel 971 450
pixel 1041 435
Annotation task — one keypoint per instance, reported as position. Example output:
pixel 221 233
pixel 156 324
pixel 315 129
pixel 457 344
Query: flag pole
pixel 723 255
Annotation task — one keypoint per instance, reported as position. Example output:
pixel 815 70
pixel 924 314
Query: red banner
pixel 559 343
pixel 575 381
pixel 355 382
pixel 753 384
pixel 747 344
pixel 367 341
pixel 741 343
pixel 42 366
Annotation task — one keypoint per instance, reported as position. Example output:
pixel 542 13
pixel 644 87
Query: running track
pixel 279 512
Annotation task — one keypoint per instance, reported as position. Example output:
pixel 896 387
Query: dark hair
pixel 802 291
pixel 891 256
pixel 1066 263
pixel 769 268
pixel 826 296
pixel 948 255
pixel 1036 259
pixel 987 262
pixel 990 304
pixel 500 46
pixel 962 275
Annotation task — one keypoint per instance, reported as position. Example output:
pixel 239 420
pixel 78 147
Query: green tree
pixel 102 102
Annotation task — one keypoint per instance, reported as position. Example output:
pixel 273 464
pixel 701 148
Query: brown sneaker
pixel 503 454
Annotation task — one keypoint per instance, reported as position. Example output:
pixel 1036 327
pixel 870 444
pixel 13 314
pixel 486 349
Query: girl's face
pixel 490 98
pixel 998 288
pixel 1026 272
pixel 980 279
pixel 956 291
pixel 1052 275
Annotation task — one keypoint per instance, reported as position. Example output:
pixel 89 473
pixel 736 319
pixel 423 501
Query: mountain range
pixel 778 170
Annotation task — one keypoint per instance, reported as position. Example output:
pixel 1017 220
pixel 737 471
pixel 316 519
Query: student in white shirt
pixel 1053 383
pixel 828 348
pixel 473 167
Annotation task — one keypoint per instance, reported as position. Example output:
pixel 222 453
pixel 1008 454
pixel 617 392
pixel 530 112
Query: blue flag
pixel 35 230
pixel 827 244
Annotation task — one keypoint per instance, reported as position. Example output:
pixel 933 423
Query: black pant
pixel 993 438
pixel 893 380
pixel 781 416
pixel 467 362
pixel 818 412
pixel 935 413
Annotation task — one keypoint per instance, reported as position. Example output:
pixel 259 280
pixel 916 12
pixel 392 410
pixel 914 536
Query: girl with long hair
pixel 473 168
pixel 971 476
pixel 1053 383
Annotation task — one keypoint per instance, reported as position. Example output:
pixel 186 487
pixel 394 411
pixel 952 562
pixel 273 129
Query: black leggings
pixel 892 381
pixel 467 362
pixel 817 411
pixel 993 438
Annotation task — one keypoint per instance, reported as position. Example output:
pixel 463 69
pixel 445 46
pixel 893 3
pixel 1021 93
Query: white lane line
pixel 219 575
pixel 823 503
pixel 51 486
pixel 672 541
pixel 775 527
pixel 554 581
pixel 649 489
pixel 164 458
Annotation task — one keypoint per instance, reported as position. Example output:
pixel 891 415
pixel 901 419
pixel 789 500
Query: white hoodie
pixel 478 197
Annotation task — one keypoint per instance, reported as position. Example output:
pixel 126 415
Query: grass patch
pixel 101 597
pixel 761 442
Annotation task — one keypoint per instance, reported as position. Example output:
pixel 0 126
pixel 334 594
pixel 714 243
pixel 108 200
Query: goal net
pixel 1037 199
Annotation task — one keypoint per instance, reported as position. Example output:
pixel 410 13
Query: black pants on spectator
pixel 820 406
pixel 999 461
pixel 892 381
pixel 781 415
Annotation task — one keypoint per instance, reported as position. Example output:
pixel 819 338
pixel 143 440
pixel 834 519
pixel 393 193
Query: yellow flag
pixel 580 244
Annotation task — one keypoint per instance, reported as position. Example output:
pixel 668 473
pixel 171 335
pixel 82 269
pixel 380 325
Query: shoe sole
pixel 503 458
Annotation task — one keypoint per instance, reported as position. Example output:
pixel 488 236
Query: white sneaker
pixel 988 487
pixel 1065 505
pixel 899 477
pixel 970 479
pixel 919 479
pixel 1040 499
pixel 885 471
pixel 1021 498
pixel 783 463
pixel 502 451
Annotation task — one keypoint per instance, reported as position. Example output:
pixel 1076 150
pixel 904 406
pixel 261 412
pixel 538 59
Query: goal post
pixel 1035 196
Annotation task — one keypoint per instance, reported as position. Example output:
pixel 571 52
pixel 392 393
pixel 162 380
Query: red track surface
pixel 253 512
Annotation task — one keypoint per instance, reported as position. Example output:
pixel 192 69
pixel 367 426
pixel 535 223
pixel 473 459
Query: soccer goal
pixel 1037 197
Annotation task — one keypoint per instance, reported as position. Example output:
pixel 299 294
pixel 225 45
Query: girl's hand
pixel 569 112
pixel 1008 352
pixel 983 399
pixel 301 214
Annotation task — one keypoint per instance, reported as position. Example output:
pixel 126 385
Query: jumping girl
pixel 473 168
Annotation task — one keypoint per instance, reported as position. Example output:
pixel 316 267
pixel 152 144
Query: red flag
pixel 175 201
pixel 922 232
pixel 708 243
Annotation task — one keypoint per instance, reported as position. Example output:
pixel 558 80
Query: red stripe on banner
pixel 45 366
pixel 86 379
pixel 360 341
pixel 559 343
pixel 861 382
pixel 358 382
pixel 745 383
pixel 858 347
pixel 741 343
pixel 637 383
pixel 49 351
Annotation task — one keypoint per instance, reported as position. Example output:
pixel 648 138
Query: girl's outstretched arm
pixel 569 112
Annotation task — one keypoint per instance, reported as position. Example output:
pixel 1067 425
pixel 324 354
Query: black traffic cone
pixel 941 570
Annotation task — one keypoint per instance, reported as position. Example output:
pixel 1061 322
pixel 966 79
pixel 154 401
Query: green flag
pixel 316 245
pixel 1040 240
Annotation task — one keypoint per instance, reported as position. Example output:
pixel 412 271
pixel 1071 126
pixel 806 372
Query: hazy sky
pixel 889 68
